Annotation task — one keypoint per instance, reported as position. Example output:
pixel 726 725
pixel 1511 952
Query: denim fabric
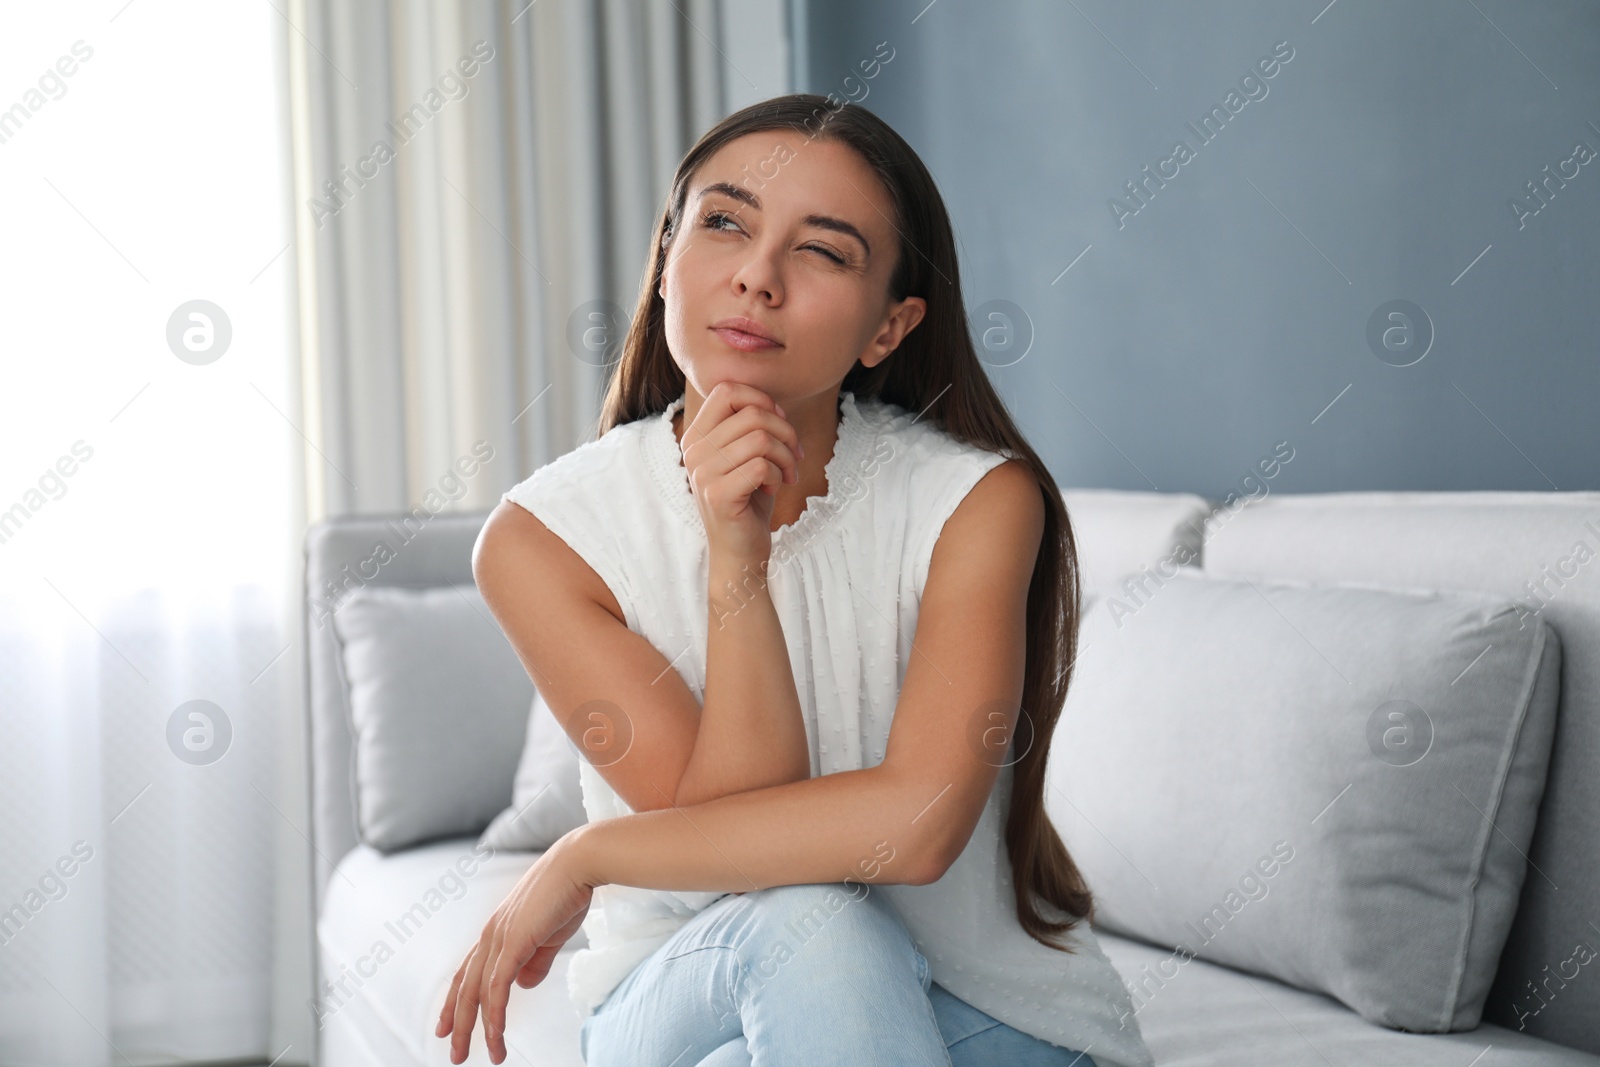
pixel 804 975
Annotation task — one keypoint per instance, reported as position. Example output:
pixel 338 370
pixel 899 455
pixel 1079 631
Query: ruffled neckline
pixel 852 443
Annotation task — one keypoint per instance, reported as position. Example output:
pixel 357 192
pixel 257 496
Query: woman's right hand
pixel 737 452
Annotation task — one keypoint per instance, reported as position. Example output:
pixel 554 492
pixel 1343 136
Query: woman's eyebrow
pixel 825 222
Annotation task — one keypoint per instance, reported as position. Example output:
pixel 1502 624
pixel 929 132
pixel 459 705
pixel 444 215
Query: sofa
pixel 1336 965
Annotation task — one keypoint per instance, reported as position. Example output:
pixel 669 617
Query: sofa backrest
pixel 1540 549
pixel 1120 532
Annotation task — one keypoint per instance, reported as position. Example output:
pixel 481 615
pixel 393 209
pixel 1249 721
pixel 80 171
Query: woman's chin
pixel 739 369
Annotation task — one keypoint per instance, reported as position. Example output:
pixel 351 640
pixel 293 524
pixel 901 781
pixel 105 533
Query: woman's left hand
pixel 519 942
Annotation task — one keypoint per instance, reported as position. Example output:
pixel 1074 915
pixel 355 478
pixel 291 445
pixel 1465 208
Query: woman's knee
pixel 806 910
pixel 847 916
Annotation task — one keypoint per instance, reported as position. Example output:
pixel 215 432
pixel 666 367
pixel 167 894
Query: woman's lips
pixel 745 342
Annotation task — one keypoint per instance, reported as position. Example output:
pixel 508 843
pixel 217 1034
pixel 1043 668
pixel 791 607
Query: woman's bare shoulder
pixel 515 546
pixel 1004 512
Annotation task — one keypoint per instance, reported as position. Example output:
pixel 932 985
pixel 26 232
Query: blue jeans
pixel 799 974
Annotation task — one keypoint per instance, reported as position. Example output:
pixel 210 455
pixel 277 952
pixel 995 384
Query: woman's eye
pixel 713 220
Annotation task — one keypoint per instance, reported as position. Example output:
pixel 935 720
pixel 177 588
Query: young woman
pixel 811 838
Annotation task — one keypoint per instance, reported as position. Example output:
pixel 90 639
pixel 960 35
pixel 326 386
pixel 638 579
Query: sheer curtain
pixel 150 514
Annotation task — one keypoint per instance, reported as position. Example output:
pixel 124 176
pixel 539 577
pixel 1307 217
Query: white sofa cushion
pixel 1331 785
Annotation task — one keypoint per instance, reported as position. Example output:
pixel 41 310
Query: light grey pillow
pixel 438 705
pixel 547 801
pixel 1334 786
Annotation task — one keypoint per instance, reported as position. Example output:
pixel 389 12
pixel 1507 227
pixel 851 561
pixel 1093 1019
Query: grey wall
pixel 1230 311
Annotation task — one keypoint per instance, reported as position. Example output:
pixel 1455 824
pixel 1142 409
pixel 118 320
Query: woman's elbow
pixel 921 860
pixel 934 862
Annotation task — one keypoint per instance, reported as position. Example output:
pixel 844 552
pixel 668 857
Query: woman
pixel 810 840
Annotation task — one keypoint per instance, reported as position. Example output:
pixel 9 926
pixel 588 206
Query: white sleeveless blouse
pixel 846 579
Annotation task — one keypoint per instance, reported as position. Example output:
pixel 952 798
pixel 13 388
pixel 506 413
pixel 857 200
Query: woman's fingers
pixel 727 397
pixel 764 473
pixel 749 467
pixel 730 413
pixel 752 432
pixel 709 459
pixel 502 968
pixel 488 995
pixel 758 420
pixel 492 1029
pixel 447 1013
pixel 466 1012
pixel 517 944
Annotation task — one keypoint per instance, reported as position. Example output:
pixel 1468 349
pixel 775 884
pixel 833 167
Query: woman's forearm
pixel 751 733
pixel 866 825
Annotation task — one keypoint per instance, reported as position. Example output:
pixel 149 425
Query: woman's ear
pixel 913 308
pixel 902 320
pixel 666 254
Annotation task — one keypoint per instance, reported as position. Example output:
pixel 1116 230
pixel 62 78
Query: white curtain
pixel 149 519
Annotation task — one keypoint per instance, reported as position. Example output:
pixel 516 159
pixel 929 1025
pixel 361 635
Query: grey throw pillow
pixel 1334 786
pixel 547 801
pixel 438 706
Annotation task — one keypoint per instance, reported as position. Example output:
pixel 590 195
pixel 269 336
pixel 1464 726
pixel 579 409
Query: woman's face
pixel 795 235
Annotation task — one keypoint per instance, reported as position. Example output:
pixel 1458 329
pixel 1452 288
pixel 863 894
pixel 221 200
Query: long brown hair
pixel 935 371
